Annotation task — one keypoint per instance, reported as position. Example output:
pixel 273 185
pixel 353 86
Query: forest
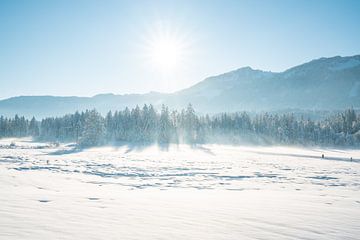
pixel 146 125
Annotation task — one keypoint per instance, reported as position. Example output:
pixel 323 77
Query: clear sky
pixel 88 47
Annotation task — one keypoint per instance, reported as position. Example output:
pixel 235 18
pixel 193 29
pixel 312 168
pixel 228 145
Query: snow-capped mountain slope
pixel 321 84
pixel 326 83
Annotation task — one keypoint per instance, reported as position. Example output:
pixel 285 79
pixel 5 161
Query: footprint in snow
pixel 93 198
pixel 44 201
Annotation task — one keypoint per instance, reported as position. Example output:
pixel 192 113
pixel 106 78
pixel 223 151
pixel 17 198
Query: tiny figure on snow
pixel 322 155
pixel 350 159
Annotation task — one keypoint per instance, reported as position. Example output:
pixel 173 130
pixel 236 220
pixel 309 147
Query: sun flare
pixel 166 53
pixel 166 49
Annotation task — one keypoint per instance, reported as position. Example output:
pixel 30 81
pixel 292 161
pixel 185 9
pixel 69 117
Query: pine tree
pixel 34 128
pixel 164 126
pixel 94 130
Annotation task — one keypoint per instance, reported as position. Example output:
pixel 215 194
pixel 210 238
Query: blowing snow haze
pixel 322 84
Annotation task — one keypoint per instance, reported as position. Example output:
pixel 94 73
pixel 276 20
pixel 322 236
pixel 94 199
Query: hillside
pixel 321 84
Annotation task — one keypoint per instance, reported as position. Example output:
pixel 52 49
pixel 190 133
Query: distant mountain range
pixel 322 84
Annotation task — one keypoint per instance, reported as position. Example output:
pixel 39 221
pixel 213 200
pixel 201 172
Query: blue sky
pixel 89 47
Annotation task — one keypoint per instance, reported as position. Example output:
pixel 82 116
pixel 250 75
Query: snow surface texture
pixel 205 192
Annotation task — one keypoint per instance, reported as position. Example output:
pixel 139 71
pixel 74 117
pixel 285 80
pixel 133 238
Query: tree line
pixel 146 125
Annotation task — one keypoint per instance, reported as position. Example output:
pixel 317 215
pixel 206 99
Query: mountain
pixel 322 84
pixel 44 106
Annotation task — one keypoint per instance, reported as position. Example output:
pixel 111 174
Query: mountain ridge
pixel 320 84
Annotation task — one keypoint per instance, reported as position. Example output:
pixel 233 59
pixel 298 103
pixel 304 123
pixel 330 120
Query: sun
pixel 166 49
pixel 166 54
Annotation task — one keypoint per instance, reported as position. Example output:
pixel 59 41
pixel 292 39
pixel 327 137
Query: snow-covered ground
pixel 204 192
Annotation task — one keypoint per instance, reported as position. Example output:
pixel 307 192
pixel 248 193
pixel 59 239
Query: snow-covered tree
pixel 94 130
